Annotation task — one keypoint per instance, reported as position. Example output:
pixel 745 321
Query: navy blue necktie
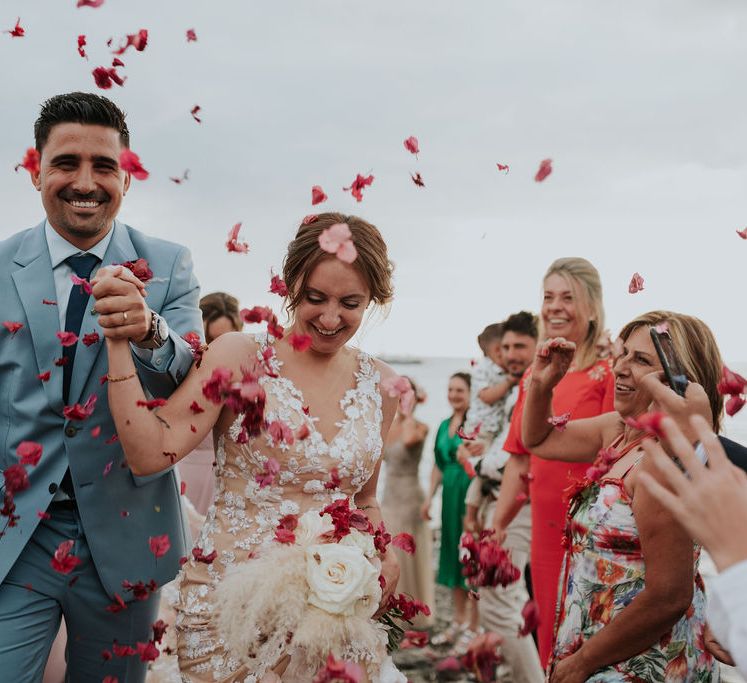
pixel 83 266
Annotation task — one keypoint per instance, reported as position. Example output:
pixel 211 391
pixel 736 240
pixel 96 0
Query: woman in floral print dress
pixel 317 438
pixel 631 604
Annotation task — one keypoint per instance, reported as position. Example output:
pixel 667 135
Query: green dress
pixel 454 488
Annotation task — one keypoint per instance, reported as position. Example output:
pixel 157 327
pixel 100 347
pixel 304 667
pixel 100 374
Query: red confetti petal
pixel 159 545
pixel 233 245
pixel 130 162
pixel 544 170
pixel 31 161
pixel 636 284
pixel 317 195
pixel 411 145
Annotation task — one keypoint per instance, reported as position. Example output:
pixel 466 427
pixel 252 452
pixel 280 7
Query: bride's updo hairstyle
pixel 304 254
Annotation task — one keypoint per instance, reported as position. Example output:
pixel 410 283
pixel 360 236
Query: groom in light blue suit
pixel 82 499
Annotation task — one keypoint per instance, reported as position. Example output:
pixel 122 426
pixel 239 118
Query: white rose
pixel 363 541
pixel 338 577
pixel 312 525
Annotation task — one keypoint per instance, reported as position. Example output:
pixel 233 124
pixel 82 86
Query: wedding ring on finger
pixel 124 317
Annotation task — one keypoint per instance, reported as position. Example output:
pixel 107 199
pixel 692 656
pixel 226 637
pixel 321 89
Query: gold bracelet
pixel 109 378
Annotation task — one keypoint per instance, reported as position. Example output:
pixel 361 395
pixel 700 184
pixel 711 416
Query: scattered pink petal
pixel 317 195
pixel 44 376
pixel 63 562
pixel 12 327
pixel 411 145
pixel 105 77
pixel 334 480
pixel 159 545
pixel 95 432
pixel 108 467
pixel 300 342
pixel 417 179
pixel 742 233
pixel 357 186
pixel 130 163
pixel 233 244
pixel 503 167
pixel 308 220
pixel 269 472
pixel 91 338
pixel 734 405
pixel 647 422
pixel 137 40
pixel 194 111
pixel 337 239
pixel 80 412
pixel 398 386
pixel 17 31
pixel 602 464
pixel 335 671
pixel 67 338
pixel 404 541
pixel 544 170
pixel 82 282
pixel 302 432
pixel 278 286
pixel 191 35
pixel 636 284
pixel 530 614
pixel 90 3
pixel 153 403
pixel 81 46
pixel 31 161
pixel 29 453
pixel 731 383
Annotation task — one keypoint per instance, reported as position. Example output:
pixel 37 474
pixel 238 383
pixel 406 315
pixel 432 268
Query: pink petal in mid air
pixel 81 46
pixel 417 179
pixel 559 421
pixel 411 145
pixel 191 35
pixel 636 284
pixel 130 163
pixel 137 40
pixel 233 244
pixel 357 186
pixel 17 31
pixel 317 195
pixel 90 3
pixel 503 167
pixel 742 233
pixel 544 170
pixel 31 161
pixel 194 111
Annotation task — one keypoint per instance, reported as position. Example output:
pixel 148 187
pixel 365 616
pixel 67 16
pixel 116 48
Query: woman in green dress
pixel 454 481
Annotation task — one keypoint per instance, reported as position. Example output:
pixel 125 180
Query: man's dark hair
pixel 523 322
pixel 491 333
pixel 79 107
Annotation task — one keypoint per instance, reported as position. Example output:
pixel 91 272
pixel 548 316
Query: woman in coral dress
pixel 309 431
pixel 571 308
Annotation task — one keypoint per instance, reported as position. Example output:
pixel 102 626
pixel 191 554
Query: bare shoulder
pixel 386 371
pixel 388 401
pixel 610 426
pixel 231 350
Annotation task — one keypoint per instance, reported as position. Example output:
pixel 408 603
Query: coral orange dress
pixel 583 393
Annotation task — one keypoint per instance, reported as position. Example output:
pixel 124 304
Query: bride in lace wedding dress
pixel 328 396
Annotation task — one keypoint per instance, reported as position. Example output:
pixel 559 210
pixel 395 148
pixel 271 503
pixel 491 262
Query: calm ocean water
pixel 433 375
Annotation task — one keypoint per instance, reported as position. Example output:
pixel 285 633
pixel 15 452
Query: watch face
pixel 162 328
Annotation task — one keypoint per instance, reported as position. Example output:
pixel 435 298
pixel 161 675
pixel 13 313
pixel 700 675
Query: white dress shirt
pixel 727 612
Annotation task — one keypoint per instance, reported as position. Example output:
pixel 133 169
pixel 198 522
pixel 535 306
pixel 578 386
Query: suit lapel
pixel 120 249
pixel 35 282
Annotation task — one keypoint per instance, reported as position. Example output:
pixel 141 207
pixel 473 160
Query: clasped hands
pixel 120 304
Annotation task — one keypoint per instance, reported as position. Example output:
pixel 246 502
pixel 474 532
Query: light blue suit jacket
pixel 119 512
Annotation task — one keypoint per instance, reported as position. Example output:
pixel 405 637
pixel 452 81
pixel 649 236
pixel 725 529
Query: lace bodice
pixel 249 511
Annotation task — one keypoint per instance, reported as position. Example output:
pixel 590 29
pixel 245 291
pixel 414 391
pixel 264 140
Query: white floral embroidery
pixel 245 515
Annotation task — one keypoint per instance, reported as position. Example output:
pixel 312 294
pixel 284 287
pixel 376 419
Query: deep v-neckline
pixel 295 390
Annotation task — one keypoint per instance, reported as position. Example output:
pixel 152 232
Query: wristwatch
pixel 158 335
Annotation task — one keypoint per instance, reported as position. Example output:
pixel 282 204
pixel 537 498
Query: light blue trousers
pixel 34 596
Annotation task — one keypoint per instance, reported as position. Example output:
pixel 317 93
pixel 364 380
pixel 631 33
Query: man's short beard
pixel 91 232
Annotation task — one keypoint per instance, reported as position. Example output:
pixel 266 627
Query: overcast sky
pixel 641 106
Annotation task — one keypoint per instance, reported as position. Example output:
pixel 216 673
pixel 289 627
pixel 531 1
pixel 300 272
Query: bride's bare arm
pixel 366 499
pixel 153 440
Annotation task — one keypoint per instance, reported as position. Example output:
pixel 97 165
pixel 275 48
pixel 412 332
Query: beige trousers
pixel 500 608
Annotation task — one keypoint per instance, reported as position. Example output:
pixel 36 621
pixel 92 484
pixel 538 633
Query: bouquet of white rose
pixel 312 593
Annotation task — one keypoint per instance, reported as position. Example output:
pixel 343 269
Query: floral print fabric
pixel 603 571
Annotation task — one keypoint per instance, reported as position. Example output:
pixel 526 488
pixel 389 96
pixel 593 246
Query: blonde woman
pixel 571 308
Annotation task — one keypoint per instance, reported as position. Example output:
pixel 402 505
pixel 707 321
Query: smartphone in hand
pixel 673 370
